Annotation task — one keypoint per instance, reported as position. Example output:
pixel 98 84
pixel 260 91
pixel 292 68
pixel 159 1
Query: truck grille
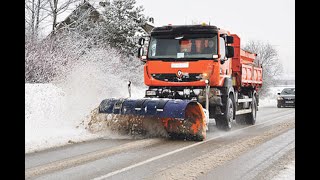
pixel 173 77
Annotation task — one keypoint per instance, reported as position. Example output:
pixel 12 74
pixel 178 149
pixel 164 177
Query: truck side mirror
pixel 141 41
pixel 140 52
pixel 141 55
pixel 229 39
pixel 229 51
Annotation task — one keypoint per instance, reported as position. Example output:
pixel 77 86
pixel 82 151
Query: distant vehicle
pixel 286 98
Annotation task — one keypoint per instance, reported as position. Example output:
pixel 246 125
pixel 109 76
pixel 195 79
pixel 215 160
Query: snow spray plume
pixel 86 73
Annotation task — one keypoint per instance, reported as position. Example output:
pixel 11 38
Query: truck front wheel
pixel 224 121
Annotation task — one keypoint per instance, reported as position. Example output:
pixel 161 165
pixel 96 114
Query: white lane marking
pixel 88 157
pixel 181 149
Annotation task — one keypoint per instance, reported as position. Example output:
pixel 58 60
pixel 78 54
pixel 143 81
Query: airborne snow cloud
pixel 54 112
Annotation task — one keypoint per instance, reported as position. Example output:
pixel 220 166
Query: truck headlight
pixel 186 91
pixel 280 98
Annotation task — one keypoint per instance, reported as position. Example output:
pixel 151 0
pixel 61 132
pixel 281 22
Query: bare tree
pixel 57 7
pixel 54 58
pixel 35 14
pixel 267 57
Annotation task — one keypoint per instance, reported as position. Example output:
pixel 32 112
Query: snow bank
pixel 45 118
pixel 56 113
pixel 287 173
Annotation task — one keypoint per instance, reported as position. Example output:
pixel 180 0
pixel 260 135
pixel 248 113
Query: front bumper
pixel 286 103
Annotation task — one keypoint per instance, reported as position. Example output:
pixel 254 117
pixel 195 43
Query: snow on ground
pixel 45 118
pixel 287 173
pixel 53 113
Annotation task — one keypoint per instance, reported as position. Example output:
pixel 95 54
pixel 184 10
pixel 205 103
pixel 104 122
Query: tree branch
pixel 28 7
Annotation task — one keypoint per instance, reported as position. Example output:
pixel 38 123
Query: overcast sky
pixel 270 21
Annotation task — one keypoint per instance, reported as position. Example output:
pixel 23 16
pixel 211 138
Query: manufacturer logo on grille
pixel 179 74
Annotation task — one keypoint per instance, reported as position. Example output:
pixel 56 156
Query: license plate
pixel 180 65
pixel 289 101
pixel 151 93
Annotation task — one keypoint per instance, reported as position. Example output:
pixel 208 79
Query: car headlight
pixel 280 98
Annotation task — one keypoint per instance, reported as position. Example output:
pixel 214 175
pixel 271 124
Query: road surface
pixel 260 151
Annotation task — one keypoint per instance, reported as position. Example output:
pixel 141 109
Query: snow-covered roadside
pixel 54 112
pixel 267 102
pixel 53 115
pixel 45 119
pixel 287 173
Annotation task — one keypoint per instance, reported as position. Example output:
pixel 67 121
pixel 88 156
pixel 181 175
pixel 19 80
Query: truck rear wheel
pixel 251 117
pixel 224 121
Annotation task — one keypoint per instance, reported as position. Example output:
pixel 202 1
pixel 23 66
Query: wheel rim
pixel 230 115
pixel 254 112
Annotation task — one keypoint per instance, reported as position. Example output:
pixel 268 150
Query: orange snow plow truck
pixel 192 72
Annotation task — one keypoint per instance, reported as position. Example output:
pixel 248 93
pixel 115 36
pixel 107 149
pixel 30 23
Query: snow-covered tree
pixel 81 39
pixel 84 20
pixel 123 24
pixel 57 7
pixel 267 57
pixel 53 59
pixel 34 16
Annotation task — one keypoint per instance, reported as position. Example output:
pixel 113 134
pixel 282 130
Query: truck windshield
pixel 182 48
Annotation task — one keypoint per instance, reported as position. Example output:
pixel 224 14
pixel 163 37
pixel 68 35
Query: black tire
pixel 224 122
pixel 251 117
pixel 278 105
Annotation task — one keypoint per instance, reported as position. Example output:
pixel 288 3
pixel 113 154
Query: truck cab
pixel 187 56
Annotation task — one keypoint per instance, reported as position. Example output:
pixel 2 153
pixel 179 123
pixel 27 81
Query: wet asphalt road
pixel 245 152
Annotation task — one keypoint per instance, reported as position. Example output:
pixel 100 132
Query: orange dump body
pixel 244 71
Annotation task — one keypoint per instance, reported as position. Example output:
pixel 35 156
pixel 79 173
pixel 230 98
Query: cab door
pixel 225 64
